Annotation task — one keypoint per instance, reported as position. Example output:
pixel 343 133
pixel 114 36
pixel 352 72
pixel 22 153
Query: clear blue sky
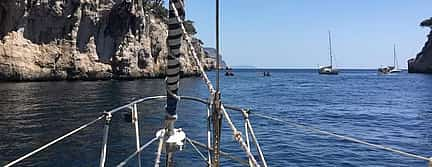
pixel 293 33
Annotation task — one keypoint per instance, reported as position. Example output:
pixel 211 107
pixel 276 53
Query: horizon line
pixel 303 67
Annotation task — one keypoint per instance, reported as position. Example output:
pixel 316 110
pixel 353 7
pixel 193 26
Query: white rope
pixel 238 137
pixel 345 137
pixel 236 133
pixel 123 163
pixel 194 53
pixel 247 138
pixel 260 152
pixel 54 142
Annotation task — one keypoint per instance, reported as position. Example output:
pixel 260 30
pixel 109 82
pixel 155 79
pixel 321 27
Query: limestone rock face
pixel 85 40
pixel 422 63
pixel 22 60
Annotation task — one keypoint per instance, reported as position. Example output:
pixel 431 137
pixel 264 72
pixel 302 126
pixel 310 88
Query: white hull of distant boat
pixel 396 71
pixel 328 70
pixel 389 70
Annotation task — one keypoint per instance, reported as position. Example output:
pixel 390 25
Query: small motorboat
pixel 228 72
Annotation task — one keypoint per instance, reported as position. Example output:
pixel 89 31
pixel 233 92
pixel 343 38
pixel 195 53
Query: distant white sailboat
pixel 391 69
pixel 329 70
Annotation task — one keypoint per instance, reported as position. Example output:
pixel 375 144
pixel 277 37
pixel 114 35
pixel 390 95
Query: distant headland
pixel 422 63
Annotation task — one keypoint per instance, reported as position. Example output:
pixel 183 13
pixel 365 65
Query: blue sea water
pixel 393 110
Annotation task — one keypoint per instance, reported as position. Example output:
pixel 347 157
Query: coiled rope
pixel 343 137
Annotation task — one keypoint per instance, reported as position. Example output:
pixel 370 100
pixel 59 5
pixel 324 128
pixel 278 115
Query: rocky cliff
pixel 422 63
pixel 86 40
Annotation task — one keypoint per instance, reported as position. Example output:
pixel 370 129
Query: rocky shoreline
pixel 44 40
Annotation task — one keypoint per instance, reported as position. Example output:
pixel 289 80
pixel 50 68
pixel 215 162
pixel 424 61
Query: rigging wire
pixel 316 130
pixel 108 114
pixel 54 141
pixel 254 139
pixel 198 151
pixel 228 155
pixel 124 162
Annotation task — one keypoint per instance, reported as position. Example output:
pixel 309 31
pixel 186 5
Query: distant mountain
pixel 244 67
pixel 212 53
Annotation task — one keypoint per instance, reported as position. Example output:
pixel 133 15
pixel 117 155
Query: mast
pixel 217 47
pixel 217 115
pixel 330 49
pixel 394 57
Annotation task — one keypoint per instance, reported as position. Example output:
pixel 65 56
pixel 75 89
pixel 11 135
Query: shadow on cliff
pixel 2 18
pixel 113 29
pixel 44 25
pixel 10 14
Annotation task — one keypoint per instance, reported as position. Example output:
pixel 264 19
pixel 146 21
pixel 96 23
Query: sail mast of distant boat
pixel 330 49
pixel 394 57
pixel 329 69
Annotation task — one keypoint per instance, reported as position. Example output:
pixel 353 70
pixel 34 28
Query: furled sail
pixel 175 36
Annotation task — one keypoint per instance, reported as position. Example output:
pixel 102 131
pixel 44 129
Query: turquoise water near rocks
pixel 393 110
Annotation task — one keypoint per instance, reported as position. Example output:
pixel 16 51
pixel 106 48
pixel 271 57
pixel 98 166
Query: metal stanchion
pixel 137 136
pixel 105 139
